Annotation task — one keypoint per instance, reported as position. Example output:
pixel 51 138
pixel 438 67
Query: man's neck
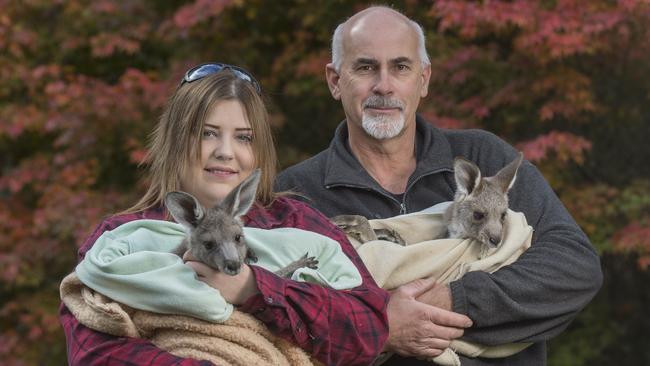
pixel 390 162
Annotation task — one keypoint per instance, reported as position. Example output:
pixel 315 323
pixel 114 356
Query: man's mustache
pixel 376 101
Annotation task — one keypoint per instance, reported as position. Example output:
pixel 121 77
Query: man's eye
pixel 478 215
pixel 402 67
pixel 364 68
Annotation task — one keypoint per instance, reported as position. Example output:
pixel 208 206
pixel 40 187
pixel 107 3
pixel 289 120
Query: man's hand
pixel 438 295
pixel 417 329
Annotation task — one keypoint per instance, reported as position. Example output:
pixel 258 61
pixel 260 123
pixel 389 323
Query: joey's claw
pixel 250 256
pixel 312 263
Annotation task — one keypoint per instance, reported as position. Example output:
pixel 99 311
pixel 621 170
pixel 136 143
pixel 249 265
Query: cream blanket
pixel 242 340
pixel 392 265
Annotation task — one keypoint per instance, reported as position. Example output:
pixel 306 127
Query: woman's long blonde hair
pixel 176 140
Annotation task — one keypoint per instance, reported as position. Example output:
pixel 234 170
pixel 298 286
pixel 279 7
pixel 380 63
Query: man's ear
pixel 333 78
pixel 426 76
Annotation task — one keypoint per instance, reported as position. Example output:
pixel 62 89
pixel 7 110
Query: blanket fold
pixel 393 265
pixel 240 340
pixel 133 265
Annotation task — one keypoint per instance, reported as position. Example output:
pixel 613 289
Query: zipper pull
pixel 402 208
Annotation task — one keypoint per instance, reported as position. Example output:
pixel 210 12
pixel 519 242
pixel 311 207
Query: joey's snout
pixel 231 268
pixel 494 241
pixel 227 258
pixel 493 235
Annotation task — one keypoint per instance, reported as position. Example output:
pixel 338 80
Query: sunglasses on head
pixel 201 71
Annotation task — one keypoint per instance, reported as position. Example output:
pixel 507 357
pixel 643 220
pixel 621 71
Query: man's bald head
pixel 376 16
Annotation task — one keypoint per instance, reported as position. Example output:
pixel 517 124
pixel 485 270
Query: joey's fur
pixel 477 212
pixel 215 236
pixel 480 203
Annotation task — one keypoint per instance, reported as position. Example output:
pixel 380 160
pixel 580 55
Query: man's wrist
pixel 438 296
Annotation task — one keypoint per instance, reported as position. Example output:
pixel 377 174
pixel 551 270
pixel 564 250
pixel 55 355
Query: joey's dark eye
pixel 478 215
pixel 238 238
pixel 208 245
pixel 503 216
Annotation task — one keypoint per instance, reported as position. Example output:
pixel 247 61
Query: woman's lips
pixel 220 172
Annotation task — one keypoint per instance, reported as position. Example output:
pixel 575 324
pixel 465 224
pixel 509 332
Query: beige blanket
pixel 241 340
pixel 392 265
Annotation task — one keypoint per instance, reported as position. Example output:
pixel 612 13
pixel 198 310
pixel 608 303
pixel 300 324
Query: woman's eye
pixel 245 138
pixel 209 133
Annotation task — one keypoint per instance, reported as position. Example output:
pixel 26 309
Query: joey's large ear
pixel 467 175
pixel 505 178
pixel 240 200
pixel 185 209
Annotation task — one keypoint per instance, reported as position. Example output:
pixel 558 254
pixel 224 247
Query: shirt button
pixel 269 300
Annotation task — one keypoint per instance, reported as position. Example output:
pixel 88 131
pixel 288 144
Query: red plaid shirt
pixel 337 327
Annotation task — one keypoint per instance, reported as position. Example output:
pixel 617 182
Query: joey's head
pixel 481 203
pixel 215 236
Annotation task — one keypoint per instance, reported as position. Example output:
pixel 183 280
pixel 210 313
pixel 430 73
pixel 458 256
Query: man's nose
pixel 383 83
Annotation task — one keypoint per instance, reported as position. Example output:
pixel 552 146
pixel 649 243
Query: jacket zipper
pixel 402 210
pixel 402 205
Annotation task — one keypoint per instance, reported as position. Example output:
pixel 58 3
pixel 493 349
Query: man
pixel 385 160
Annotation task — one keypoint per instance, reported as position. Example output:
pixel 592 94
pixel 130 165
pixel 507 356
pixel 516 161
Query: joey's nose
pixel 494 241
pixel 231 267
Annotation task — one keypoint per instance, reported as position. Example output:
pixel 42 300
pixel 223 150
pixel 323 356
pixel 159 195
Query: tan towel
pixel 241 340
pixel 393 265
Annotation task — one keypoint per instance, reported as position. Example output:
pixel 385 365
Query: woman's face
pixel 226 154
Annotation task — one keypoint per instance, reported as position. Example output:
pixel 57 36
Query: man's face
pixel 381 78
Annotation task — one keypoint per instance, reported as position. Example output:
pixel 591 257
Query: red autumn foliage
pixel 83 82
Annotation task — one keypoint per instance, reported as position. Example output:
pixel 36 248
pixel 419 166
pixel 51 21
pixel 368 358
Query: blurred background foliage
pixel 82 83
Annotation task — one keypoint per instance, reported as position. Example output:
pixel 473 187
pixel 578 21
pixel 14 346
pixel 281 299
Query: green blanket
pixel 132 264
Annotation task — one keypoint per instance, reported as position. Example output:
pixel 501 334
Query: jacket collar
pixel 342 168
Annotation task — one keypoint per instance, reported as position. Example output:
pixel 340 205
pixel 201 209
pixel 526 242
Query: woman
pixel 214 132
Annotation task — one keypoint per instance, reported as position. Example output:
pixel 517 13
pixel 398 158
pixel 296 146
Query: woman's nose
pixel 223 150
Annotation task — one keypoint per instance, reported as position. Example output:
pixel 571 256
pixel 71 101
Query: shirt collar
pixel 431 147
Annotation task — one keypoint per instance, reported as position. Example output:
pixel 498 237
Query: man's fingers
pixel 424 347
pixel 448 318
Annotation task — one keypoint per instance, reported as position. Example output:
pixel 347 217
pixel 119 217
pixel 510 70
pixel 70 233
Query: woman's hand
pixel 235 289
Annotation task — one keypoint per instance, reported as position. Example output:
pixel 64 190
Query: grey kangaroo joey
pixel 215 235
pixel 478 211
pixel 480 203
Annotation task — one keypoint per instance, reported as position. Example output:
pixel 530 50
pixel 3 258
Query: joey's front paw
pixel 309 262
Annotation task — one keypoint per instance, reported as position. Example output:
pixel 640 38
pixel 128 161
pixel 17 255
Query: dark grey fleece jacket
pixel 531 300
